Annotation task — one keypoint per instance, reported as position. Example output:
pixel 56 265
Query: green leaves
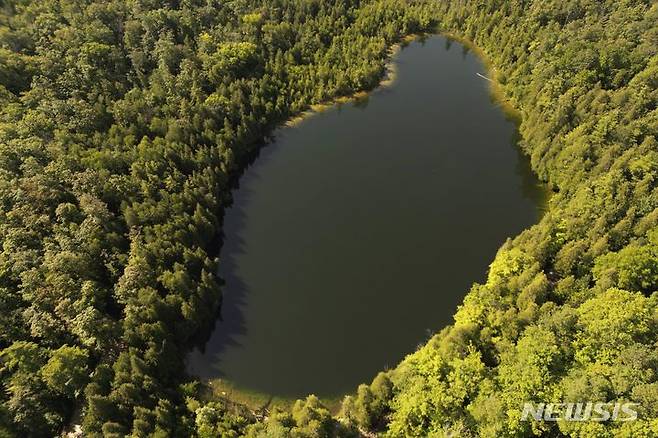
pixel 613 320
pixel 41 384
pixel 370 407
pixel 634 268
pixel 66 371
pixel 230 61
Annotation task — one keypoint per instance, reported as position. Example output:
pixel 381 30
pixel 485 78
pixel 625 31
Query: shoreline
pixel 259 402
pixel 255 401
pixel 495 87
pixel 507 105
pixel 388 79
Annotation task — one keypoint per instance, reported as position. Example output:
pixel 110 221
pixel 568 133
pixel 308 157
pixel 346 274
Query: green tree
pixel 66 371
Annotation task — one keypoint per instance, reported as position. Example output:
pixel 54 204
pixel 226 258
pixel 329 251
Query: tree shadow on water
pixel 225 331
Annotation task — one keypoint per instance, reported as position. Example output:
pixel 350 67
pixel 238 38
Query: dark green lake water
pixel 358 231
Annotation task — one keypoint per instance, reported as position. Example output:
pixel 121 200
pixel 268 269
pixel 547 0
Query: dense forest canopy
pixel 122 123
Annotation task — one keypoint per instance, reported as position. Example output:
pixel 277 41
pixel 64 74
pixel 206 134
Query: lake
pixel 357 232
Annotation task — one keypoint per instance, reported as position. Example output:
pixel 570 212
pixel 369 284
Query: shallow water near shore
pixel 358 231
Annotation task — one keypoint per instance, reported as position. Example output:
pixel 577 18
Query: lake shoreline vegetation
pixel 260 403
pixel 122 123
pixel 495 88
pixel 388 78
pixel 571 300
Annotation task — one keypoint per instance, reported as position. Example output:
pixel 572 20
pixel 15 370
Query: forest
pixel 124 122
pixel 122 125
